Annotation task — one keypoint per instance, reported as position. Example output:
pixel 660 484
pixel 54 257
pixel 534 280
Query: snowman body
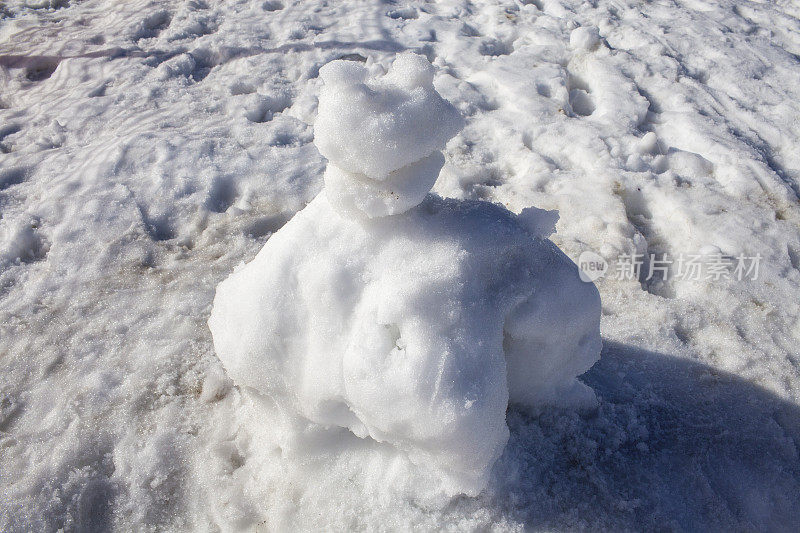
pixel 407 319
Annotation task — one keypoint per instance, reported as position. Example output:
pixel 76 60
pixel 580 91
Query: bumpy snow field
pixel 148 148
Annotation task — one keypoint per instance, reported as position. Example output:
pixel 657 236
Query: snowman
pixel 399 316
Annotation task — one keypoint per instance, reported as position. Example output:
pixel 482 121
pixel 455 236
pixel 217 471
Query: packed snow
pixel 417 329
pixel 149 148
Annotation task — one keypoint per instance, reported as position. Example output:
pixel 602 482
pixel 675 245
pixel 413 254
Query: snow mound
pixel 413 330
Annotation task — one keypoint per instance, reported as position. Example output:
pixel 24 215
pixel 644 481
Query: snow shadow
pixel 675 445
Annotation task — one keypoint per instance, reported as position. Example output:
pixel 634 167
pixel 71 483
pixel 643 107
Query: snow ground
pixel 149 147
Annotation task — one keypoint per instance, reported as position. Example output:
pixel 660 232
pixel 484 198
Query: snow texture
pixel 147 148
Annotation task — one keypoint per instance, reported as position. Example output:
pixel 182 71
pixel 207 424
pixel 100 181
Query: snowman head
pixel 375 126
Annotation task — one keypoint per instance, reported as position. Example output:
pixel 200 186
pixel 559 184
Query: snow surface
pixel 147 148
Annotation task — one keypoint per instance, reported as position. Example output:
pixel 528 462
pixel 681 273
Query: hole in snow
pixel 13 176
pixel 98 91
pixel 9 129
pixel 221 195
pixel 494 47
pixel 271 6
pixel 94 505
pixel 469 31
pixel 157 228
pixel 581 102
pixel 543 90
pixel 576 82
pixel 354 57
pixel 41 71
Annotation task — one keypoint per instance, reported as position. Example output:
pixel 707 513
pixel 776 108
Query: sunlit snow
pixel 148 149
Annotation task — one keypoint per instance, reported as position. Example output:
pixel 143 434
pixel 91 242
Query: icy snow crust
pixel 414 329
pixel 146 149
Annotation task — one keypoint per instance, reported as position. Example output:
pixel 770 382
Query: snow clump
pixel 408 319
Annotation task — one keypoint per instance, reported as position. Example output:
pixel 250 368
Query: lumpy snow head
pixel 411 331
pixel 382 136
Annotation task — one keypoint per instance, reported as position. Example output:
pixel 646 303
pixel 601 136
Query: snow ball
pixel 584 38
pixel 648 144
pixel 410 71
pixel 376 126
